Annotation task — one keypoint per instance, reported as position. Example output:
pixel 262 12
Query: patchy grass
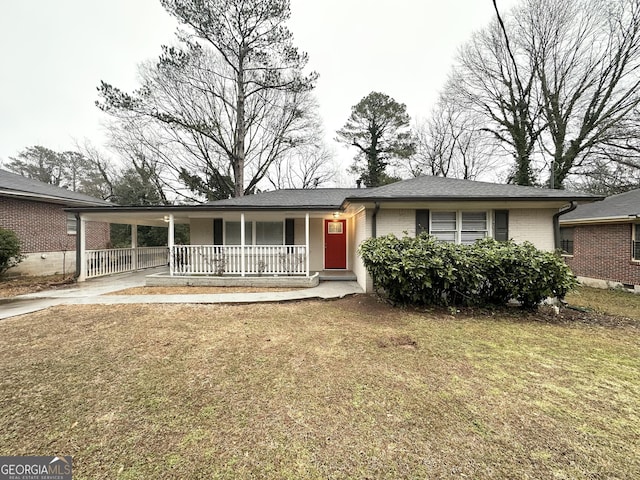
pixel 612 302
pixel 12 286
pixel 310 390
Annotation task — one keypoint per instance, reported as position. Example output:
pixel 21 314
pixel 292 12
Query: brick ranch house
pixel 601 241
pixel 306 235
pixel 35 211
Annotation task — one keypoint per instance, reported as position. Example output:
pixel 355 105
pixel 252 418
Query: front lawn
pixel 344 389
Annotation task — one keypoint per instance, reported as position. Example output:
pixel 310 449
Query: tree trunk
pixel 240 133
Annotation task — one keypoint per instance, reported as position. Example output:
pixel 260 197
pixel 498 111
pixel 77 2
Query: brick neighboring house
pixel 602 241
pixel 35 212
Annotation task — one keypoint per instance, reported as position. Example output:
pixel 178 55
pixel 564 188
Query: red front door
pixel 335 244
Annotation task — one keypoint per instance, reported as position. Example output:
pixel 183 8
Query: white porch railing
pixel 228 260
pixel 119 260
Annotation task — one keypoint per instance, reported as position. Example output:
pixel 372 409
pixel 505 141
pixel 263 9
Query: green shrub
pixel 424 271
pixel 10 254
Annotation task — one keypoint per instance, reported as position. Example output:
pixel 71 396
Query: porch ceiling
pixel 156 217
pixel 153 219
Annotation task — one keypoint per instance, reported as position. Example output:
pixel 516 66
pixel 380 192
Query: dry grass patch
pixel 13 286
pixel 311 390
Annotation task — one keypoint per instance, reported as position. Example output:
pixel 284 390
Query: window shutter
pixel 217 231
pixel 501 231
pixel 289 231
pixel 422 221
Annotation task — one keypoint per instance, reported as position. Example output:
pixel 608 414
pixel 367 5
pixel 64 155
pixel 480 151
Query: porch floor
pixel 166 280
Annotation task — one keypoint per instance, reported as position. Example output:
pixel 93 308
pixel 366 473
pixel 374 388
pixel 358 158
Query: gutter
pixel 556 223
pixel 374 222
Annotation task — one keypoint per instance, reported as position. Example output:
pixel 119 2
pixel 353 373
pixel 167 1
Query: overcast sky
pixel 53 54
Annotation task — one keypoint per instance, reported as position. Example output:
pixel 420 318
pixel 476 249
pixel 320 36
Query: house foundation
pixel 166 280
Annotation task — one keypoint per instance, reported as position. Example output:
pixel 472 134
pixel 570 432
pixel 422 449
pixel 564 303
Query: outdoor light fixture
pixel 336 214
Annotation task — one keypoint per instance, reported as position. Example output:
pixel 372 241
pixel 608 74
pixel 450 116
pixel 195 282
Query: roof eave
pixel 206 208
pixel 458 198
pixel 610 219
pixel 47 198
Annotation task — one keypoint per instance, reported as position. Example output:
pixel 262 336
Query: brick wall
pixel 604 252
pixel 42 227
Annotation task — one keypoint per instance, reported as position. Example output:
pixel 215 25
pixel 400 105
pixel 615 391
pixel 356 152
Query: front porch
pixel 284 249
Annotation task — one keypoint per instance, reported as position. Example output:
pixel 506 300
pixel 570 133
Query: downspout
pixel 78 244
pixel 373 219
pixel 556 223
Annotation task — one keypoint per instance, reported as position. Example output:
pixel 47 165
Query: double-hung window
pixel 71 224
pixel 255 233
pixel 444 226
pixel 458 226
pixel 636 242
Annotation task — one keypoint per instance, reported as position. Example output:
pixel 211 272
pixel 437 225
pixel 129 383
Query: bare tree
pixel 557 82
pixel 450 143
pixel 603 177
pixel 308 167
pixel 233 90
pixel 586 56
pixel 103 171
pixel 494 79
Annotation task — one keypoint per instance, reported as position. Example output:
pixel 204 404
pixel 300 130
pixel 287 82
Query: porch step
pixel 337 276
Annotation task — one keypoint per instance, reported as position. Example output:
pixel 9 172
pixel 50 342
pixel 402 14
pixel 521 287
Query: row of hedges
pixel 425 271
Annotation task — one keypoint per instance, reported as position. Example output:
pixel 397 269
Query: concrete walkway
pixel 92 292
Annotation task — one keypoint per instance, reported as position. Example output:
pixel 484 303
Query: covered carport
pixel 95 263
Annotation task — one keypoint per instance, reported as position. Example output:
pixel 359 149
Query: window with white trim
pixel 72 228
pixel 459 226
pixel 255 233
pixel 636 242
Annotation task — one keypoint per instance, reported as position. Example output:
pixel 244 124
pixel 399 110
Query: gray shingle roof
pixel 14 185
pixel 439 188
pixel 318 198
pixel 616 206
pixel 420 188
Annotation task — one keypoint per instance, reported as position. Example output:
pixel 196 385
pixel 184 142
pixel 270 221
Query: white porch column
pixel 242 246
pixel 170 241
pixel 134 246
pixel 83 249
pixel 306 239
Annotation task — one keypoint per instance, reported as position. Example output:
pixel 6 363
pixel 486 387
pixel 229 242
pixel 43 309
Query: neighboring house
pixel 35 211
pixel 601 241
pixel 294 233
